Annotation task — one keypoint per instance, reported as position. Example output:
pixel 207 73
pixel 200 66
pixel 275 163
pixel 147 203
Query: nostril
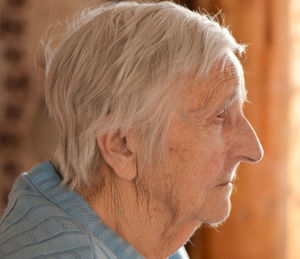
pixel 252 160
pixel 249 159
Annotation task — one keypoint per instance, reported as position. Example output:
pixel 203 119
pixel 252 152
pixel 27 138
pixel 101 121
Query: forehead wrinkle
pixel 223 86
pixel 212 96
pixel 234 75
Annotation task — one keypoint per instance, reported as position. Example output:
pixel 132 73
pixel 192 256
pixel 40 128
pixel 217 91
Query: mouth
pixel 228 181
pixel 225 184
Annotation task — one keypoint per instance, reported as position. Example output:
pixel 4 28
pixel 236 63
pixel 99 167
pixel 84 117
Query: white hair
pixel 120 66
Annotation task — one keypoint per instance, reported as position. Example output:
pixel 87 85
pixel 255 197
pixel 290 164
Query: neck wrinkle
pixel 152 230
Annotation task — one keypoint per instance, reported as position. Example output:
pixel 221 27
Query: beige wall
pixel 27 136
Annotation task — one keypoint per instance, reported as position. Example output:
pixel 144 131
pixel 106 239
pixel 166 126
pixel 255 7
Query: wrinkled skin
pixel 208 137
pixel 207 142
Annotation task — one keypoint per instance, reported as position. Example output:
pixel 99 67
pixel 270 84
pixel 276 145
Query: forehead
pixel 225 81
pixel 227 77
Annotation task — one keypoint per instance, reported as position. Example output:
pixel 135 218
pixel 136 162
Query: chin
pixel 222 217
pixel 217 217
pixel 217 223
pixel 217 206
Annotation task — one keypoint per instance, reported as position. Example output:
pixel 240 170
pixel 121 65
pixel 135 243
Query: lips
pixel 224 184
pixel 229 178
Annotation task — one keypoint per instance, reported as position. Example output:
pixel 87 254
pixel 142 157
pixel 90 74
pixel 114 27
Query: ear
pixel 119 154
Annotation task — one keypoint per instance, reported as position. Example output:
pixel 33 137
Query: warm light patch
pixel 293 213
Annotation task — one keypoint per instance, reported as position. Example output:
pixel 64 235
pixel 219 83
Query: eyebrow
pixel 228 101
pixel 224 105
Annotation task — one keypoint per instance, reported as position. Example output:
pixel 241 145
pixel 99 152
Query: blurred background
pixel 265 219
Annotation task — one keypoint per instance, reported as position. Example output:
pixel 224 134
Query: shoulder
pixel 51 236
pixel 34 227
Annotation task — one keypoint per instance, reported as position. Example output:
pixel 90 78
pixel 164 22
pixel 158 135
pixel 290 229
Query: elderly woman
pixel 148 99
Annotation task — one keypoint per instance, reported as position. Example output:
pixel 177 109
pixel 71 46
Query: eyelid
pixel 222 112
pixel 224 109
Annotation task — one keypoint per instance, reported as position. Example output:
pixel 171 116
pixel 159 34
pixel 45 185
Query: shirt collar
pixel 47 181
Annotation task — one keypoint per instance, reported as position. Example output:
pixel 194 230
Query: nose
pixel 250 147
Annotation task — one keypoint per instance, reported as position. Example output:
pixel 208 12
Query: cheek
pixel 194 177
pixel 196 163
pixel 196 158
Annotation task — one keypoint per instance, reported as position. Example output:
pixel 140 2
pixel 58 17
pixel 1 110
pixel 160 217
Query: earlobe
pixel 117 155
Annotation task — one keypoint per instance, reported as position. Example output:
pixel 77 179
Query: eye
pixel 221 115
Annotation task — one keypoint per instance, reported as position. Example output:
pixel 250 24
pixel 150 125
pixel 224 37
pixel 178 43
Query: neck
pixel 154 231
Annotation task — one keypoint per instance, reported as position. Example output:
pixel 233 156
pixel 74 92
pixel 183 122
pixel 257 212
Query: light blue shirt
pixel 46 220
